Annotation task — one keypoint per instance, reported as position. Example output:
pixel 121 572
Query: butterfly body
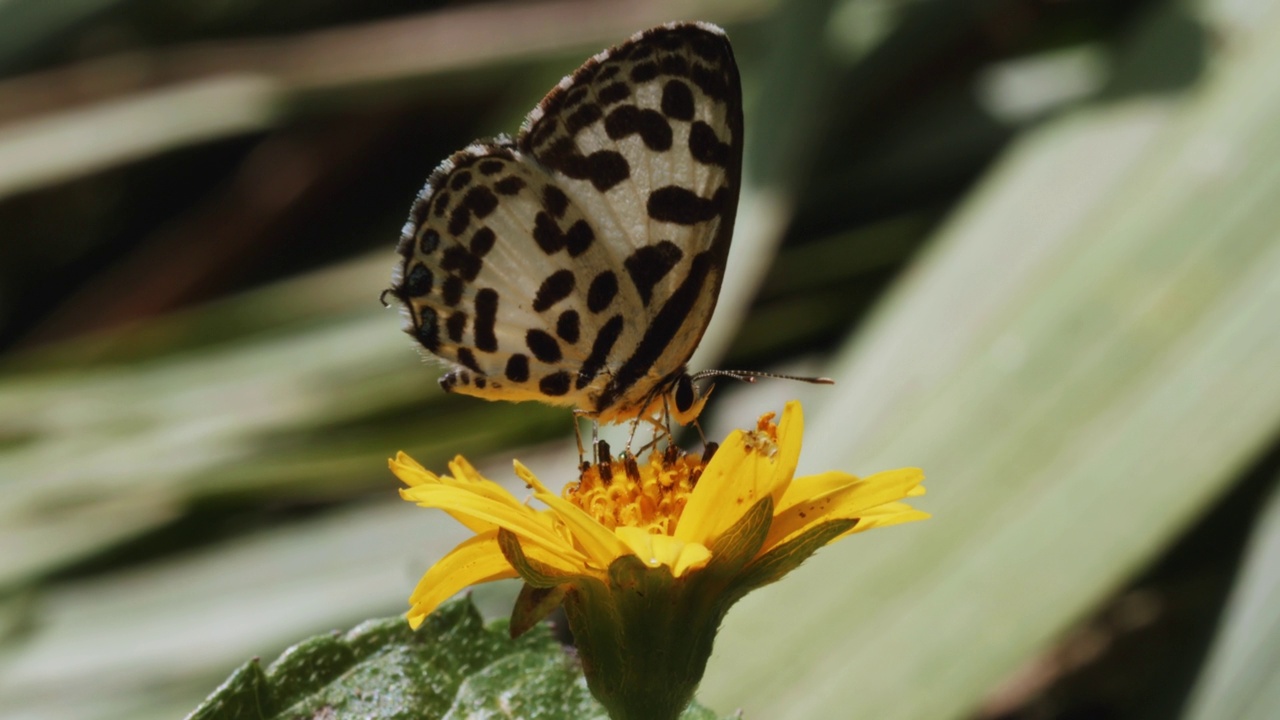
pixel 579 263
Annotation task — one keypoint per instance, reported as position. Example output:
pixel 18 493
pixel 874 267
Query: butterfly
pixel 579 263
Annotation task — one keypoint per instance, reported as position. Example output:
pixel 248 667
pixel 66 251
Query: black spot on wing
pixel 427 330
pixel 568 326
pixel 706 147
pixel 582 118
pixel 555 288
pixel 481 201
pixel 682 206
pixel 517 368
pixel 543 346
pixel 554 200
pixel 661 331
pixel 490 167
pixel 644 72
pixel 486 317
pixel 451 291
pixel 429 242
pixel 600 349
pixel 451 379
pixel 602 291
pixel 458 259
pixel 459 219
pixel 551 239
pixel 542 132
pixel 674 65
pixel 468 359
pixel 677 100
pixel 613 93
pixel 603 168
pixel 634 51
pixel 555 384
pixel 648 265
pixel 482 242
pixel 547 234
pixel 573 97
pixel 419 282
pixel 440 204
pixel 579 238
pixel 627 120
pixel 710 47
pixel 710 82
pixel 509 185
pixel 460 180
pixel 456 325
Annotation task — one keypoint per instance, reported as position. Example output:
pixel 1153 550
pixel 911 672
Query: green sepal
pixel 645 637
pixel 734 548
pixel 779 561
pixel 537 574
pixel 532 605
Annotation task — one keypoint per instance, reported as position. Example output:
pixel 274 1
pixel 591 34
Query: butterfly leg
pixel 635 423
pixel 577 434
pixel 698 427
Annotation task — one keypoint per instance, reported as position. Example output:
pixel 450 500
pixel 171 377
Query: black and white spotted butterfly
pixel 579 264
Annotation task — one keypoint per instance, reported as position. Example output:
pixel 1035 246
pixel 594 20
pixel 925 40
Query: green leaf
pixel 1242 677
pixel 1082 362
pixel 453 667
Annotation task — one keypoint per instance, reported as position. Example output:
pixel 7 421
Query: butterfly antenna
pixel 751 376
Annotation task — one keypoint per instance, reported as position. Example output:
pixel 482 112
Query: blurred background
pixel 1035 242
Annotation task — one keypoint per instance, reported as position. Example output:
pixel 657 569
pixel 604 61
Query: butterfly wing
pixel 646 138
pixel 579 265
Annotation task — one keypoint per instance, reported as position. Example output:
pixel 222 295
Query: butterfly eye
pixel 684 395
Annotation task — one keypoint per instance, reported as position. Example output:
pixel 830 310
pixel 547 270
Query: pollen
pixel 764 439
pixel 623 493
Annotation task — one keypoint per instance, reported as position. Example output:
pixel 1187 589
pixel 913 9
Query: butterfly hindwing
pixel 580 263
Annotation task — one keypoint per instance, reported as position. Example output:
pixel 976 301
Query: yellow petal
pixel 529 478
pixel 790 433
pixel 520 519
pixel 409 471
pixel 904 514
pixel 596 540
pixel 814 486
pixel 464 476
pixel 656 550
pixel 477 560
pixel 723 493
pixel 738 477
pixel 827 499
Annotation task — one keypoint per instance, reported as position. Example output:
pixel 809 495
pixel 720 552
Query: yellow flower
pixel 648 556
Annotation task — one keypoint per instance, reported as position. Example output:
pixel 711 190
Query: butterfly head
pixel 684 401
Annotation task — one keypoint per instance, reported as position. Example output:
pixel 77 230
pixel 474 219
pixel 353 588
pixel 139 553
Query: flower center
pixel 622 492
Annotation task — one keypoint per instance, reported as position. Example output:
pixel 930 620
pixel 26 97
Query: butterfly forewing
pixel 580 264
